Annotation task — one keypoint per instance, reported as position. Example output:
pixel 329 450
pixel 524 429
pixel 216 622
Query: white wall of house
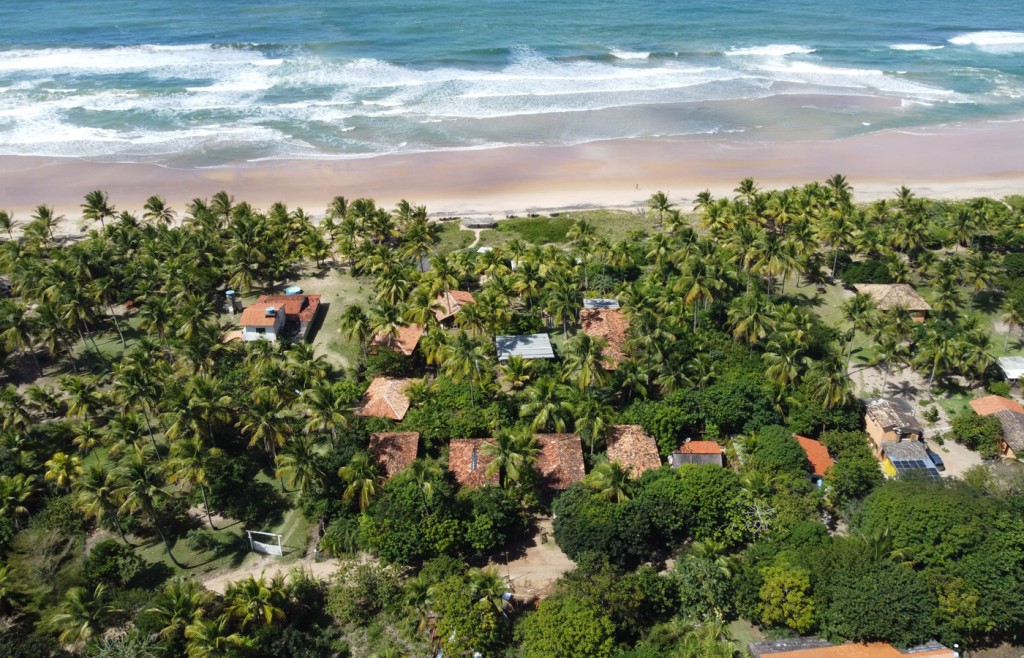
pixel 264 333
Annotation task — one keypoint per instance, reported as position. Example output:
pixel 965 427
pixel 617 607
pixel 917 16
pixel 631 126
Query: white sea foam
pixel 914 46
pixel 997 42
pixel 773 50
pixel 629 54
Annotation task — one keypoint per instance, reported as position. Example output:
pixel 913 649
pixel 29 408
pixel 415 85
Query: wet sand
pixel 951 162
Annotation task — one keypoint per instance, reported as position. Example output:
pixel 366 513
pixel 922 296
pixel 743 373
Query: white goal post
pixel 265 542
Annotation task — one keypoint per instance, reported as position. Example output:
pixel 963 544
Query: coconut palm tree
pixel 266 421
pixel 97 207
pixel 157 211
pixel 547 403
pixel 594 418
pixel 486 586
pixel 363 479
pixel 187 464
pixel 7 224
pixel 142 489
pixel 325 409
pixel 512 454
pixel 180 603
pixel 1013 314
pixel 210 638
pixel 659 204
pixel 15 491
pixel 861 312
pixel 563 301
pixel 584 361
pixel 751 317
pixel 425 472
pixel 256 600
pixel 516 372
pixel 354 324
pixel 829 385
pixel 300 463
pixel 466 359
pixel 98 496
pixel 20 332
pixel 611 482
pixel 81 615
pixel 63 470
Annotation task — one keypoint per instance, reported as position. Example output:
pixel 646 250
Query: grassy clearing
pixel 615 225
pixel 453 238
pixel 744 633
pixel 537 230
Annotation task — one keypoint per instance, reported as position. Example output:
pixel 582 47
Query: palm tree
pixel 828 382
pixel 563 302
pixel 7 224
pixel 937 350
pixel 142 489
pixel 611 482
pixel 485 585
pixel 256 600
pixel 659 203
pixel 98 496
pixel 355 326
pixel 861 312
pixel 209 638
pixel 20 332
pixel 187 464
pixel 752 318
pixel 97 207
pixel 1013 313
pixel 81 614
pixel 424 472
pixel 15 490
pixel 466 359
pixel 325 408
pixel 363 480
pixel 63 470
pixel 178 605
pixel 512 453
pixel 266 421
pixel 594 418
pixel 516 372
pixel 547 403
pixel 299 463
pixel 584 361
pixel 158 211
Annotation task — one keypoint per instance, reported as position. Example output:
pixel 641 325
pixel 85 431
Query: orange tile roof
pixel 450 303
pixel 817 454
pixel 560 462
pixel 394 450
pixel 634 449
pixel 610 324
pixel 301 308
pixel 468 462
pixel 386 399
pixel 256 316
pixel 991 404
pixel 700 448
pixel 405 341
pixel 869 650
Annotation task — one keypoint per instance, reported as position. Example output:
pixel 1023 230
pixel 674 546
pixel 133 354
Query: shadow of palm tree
pixel 903 389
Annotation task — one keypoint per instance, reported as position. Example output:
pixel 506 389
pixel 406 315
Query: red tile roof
pixel 301 308
pixel 394 450
pixel 817 454
pixel 405 341
pixel 256 316
pixel 450 303
pixel 560 462
pixel 468 462
pixel 870 650
pixel 991 404
pixel 610 324
pixel 636 450
pixel 700 448
pixel 386 399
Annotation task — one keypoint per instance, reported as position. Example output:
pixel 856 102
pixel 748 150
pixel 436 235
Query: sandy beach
pixel 952 162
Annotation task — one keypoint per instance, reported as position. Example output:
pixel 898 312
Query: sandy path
pixel 269 566
pixel 535 573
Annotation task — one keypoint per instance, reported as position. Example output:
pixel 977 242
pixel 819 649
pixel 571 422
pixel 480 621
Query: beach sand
pixel 951 162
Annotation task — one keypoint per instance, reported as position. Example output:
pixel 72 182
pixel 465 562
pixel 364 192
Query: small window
pixel 261 331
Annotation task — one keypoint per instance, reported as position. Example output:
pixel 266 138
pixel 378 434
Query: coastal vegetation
pixel 138 444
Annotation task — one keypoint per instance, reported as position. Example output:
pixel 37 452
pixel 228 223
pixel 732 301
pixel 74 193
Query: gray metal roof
pixel 677 459
pixel 528 346
pixel 1013 366
pixel 601 303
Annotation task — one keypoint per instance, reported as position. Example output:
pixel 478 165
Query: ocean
pixel 203 83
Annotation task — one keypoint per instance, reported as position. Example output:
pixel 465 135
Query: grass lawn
pixel 453 238
pixel 744 633
pixel 613 225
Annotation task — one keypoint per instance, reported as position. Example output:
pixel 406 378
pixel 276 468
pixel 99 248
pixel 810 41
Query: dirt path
pixel 536 572
pixel 269 566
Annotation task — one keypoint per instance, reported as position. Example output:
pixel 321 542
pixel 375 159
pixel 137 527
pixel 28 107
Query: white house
pixel 262 321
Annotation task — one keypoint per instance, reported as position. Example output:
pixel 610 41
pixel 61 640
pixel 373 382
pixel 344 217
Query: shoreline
pixel 950 162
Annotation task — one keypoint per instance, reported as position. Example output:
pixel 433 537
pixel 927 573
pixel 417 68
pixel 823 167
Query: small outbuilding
pixel 817 456
pixel 888 296
pixel 386 398
pixel 560 462
pixel 405 339
pixel 613 326
pixel 468 462
pixel 1012 367
pixel 634 448
pixel 450 302
pixel 528 346
pixel 699 453
pixel 888 420
pixel 479 222
pixel 907 458
pixel 601 303
pixel 394 451
pixel 1012 443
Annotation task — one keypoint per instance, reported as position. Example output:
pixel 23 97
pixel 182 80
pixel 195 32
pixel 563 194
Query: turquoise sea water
pixel 199 82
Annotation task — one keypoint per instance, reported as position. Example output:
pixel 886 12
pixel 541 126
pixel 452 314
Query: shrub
pixel 999 388
pixel 776 450
pixel 865 271
pixel 201 540
pixel 111 563
pixel 362 591
pixel 981 433
pixel 1013 265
